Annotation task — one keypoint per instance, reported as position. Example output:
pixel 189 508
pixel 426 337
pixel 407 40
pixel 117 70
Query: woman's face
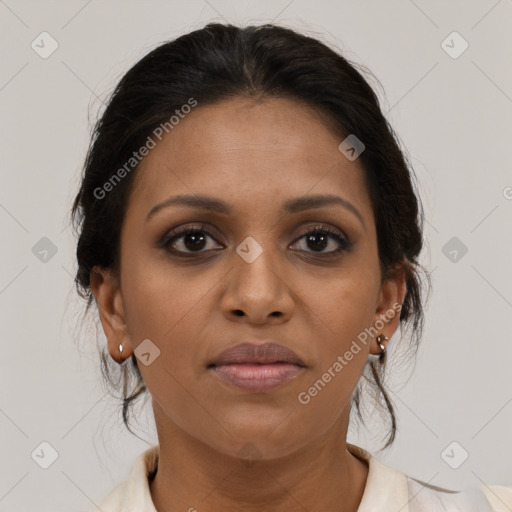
pixel 201 293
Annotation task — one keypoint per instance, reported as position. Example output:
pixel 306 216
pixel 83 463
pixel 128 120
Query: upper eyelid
pixel 183 230
pixel 180 230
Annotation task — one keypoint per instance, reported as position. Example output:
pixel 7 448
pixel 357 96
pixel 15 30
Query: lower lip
pixel 257 378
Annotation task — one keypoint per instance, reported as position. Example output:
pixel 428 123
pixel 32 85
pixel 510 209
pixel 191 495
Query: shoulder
pixel 133 494
pixel 390 489
pixel 428 498
pixel 499 496
pixel 114 501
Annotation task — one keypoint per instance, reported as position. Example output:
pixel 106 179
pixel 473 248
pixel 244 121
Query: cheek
pixel 344 305
pixel 161 303
pixel 168 308
pixel 326 394
pixel 341 310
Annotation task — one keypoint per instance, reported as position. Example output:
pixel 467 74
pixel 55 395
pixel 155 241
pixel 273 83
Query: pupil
pixel 312 238
pixel 197 240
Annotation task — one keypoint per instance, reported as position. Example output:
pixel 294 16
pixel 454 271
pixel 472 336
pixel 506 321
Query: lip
pixel 257 367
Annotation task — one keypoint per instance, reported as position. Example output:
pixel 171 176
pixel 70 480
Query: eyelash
pixel 178 233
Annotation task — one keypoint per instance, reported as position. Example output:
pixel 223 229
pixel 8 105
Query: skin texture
pixel 254 156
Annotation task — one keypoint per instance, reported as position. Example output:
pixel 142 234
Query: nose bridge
pixel 255 264
pixel 256 284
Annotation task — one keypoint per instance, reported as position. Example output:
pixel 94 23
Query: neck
pixel 194 476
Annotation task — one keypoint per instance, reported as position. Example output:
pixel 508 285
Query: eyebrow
pixel 290 206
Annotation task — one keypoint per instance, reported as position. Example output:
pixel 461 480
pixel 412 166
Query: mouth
pixel 257 368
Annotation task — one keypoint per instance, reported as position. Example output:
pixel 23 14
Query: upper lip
pixel 268 352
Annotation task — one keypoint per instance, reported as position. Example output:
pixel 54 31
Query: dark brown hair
pixel 220 62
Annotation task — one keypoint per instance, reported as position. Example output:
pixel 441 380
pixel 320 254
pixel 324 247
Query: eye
pixel 320 237
pixel 187 240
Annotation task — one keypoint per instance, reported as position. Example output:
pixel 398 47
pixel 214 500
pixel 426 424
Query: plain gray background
pixel 452 114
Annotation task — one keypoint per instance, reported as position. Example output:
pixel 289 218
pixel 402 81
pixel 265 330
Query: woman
pixel 249 231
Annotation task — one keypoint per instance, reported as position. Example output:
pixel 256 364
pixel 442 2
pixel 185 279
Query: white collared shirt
pixel 386 490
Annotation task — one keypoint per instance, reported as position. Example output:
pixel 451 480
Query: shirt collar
pixel 385 489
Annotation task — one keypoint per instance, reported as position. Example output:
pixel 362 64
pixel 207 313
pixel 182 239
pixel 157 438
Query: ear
pixel 107 292
pixel 391 297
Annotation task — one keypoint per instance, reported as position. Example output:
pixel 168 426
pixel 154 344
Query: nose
pixel 257 292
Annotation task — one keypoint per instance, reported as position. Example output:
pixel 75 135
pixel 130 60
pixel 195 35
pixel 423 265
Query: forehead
pixel 249 152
